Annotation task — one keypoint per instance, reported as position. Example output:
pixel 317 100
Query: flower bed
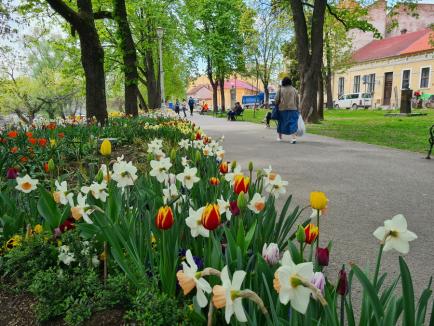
pixel 180 236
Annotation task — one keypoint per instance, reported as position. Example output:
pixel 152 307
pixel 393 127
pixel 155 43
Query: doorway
pixel 388 81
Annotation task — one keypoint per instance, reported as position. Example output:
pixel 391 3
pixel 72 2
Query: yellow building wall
pixel 380 68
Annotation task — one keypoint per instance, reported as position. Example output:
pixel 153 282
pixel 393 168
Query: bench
pixel 431 141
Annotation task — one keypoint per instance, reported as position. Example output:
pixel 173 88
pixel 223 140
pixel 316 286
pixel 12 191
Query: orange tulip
pixel 61 134
pixel 311 233
pixel 14 149
pixel 164 219
pixel 46 169
pixel 211 217
pixel 224 167
pixel 51 126
pixel 214 181
pixel 24 159
pixel 29 134
pixel 241 184
pixel 33 141
pixel 12 134
pixel 42 142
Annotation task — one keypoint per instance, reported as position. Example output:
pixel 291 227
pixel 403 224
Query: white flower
pixel 257 203
pixel 65 256
pixel 395 235
pixel 276 187
pixel 233 303
pixel 124 173
pixel 184 161
pixel 61 195
pixel 95 261
pixel 198 144
pixel 82 210
pixel 220 154
pixel 98 190
pixel 224 208
pixel 26 184
pixel 230 177
pixel 184 143
pixel 288 283
pixel 170 179
pixel 160 169
pixel 271 253
pixel 154 147
pixel 170 193
pixel 194 222
pixel 188 178
pixel 188 278
pixel 207 151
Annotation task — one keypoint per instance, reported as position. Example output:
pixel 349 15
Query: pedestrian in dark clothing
pixel 184 107
pixel 177 107
pixel 191 105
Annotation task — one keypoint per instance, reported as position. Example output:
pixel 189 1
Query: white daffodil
pixel 194 222
pixel 257 203
pixel 98 190
pixel 207 151
pixel 124 173
pixel 185 161
pixel 288 282
pixel 160 169
pixel 276 187
pixel 188 178
pixel 225 295
pixel 170 193
pixel 65 256
pixel 189 278
pixel 395 235
pixel 198 144
pixel 224 208
pixel 81 210
pixel 184 143
pixel 26 184
pixel 233 173
pixel 154 146
pixel 61 195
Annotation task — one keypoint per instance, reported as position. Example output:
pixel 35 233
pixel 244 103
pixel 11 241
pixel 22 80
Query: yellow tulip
pixel 106 147
pixel 38 228
pixel 318 200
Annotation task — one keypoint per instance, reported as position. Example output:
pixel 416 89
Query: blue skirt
pixel 288 122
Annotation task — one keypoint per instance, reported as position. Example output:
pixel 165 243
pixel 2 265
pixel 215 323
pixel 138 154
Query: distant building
pixel 385 67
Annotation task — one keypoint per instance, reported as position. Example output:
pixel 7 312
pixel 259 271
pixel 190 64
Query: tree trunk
pixel 329 75
pixel 214 84
pixel 152 85
pixel 142 101
pixel 129 56
pixel 214 96
pixel 222 93
pixel 321 97
pixel 267 95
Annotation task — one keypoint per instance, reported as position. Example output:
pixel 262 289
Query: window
pixel 424 77
pixel 405 79
pixel 341 84
pixel 353 96
pixel 369 81
pixel 356 86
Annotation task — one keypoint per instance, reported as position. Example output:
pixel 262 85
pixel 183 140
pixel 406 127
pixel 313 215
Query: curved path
pixel 365 184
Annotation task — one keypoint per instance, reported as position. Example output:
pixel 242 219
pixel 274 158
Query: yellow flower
pixel 52 142
pixel 38 229
pixel 106 147
pixel 14 241
pixel 318 200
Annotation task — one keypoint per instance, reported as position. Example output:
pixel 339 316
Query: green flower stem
pixel 342 315
pixel 319 232
pixel 377 267
pixel 301 252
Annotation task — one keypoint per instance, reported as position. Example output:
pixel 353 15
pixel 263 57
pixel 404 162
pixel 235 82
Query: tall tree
pixel 82 21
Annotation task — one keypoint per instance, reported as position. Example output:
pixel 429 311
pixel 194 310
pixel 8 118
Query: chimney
pixel 403 31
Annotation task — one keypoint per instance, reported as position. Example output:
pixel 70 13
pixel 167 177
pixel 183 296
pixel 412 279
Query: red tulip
pixel 224 167
pixel 311 233
pixel 61 134
pixel 342 287
pixel 164 219
pixel 42 142
pixel 12 173
pixel 241 184
pixel 214 181
pixel 322 256
pixel 211 217
pixel 29 134
pixel 33 141
pixel 12 134
pixel 198 136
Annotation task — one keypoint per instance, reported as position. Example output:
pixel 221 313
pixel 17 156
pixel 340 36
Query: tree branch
pixel 66 12
pixel 331 12
pixel 103 14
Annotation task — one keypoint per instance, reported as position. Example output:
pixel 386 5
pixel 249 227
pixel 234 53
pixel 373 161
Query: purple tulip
pixel 271 253
pixel 12 173
pixel 342 287
pixel 234 208
pixel 318 280
pixel 322 256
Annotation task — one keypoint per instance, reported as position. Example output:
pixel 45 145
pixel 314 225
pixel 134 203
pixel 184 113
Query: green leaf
pixel 249 235
pixel 48 209
pixel 423 303
pixel 407 293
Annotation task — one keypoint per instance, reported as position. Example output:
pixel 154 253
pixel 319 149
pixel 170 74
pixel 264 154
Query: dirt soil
pixel 17 310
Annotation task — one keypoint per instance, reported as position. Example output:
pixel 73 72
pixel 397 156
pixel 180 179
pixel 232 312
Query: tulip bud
pixel 214 181
pixel 318 200
pixel 211 217
pixel 164 219
pixel 233 207
pixel 198 156
pixel 241 200
pixel 106 147
pixel 224 167
pixel 99 176
pixel 45 166
pixel 311 232
pixel 12 173
pixel 318 280
pixel 322 256
pixel 250 166
pixel 271 253
pixel 198 136
pixel 173 155
pixel 342 287
pixel 150 157
pixel 300 235
pixel 51 165
pixel 233 165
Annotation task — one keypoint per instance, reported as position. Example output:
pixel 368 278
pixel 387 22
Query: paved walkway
pixel 365 184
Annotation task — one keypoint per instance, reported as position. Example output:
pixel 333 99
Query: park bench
pixel 431 141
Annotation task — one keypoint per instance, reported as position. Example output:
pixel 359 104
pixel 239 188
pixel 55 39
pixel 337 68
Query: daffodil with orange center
pixel 190 278
pixel 257 203
pixel 26 184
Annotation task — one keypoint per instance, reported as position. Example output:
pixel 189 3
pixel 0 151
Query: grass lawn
pixel 369 126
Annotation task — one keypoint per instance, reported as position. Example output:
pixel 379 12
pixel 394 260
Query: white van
pixel 354 101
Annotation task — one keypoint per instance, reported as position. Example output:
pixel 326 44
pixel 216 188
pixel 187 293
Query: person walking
pixel 184 107
pixel 288 102
pixel 191 105
pixel 177 107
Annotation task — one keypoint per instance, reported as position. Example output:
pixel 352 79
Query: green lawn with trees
pixel 369 126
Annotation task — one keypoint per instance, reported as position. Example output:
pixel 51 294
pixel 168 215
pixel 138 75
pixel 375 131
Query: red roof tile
pixel 395 46
pixel 239 84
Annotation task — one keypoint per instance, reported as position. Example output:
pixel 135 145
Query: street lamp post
pixel 160 33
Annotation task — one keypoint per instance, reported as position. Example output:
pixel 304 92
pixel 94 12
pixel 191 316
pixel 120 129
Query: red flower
pixel 33 141
pixel 233 207
pixel 51 126
pixel 29 134
pixel 12 134
pixel 42 142
pixel 322 256
pixel 12 173
pixel 224 167
pixel 14 149
pixel 164 219
pixel 311 233
pixel 214 181
pixel 241 184
pixel 61 134
pixel 46 169
pixel 198 136
pixel 24 159
pixel 67 225
pixel 342 287
pixel 211 217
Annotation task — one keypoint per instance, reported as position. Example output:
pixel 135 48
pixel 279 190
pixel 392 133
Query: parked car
pixel 354 101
